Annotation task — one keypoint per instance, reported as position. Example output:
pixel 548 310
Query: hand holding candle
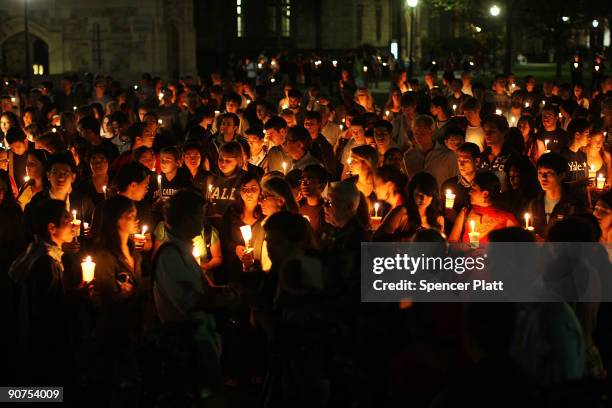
pixel 159 181
pixel 139 239
pixel 473 234
pixel 88 268
pixel 592 172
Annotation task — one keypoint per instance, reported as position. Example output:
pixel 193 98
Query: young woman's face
pixel 596 141
pixel 514 178
pixel 148 159
pixel 192 158
pixel 98 164
pixel 5 124
pixel 603 213
pixel 128 222
pixel 524 127
pixel 227 164
pixel 270 203
pixel 421 199
pixel 250 193
pixel 477 196
pixel 168 163
pixel 382 189
pixel 34 168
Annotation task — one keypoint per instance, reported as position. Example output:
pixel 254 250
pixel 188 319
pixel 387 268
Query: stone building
pixel 122 38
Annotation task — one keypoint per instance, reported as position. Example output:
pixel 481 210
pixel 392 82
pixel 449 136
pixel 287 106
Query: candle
pixel 601 182
pixel 546 142
pixel 528 227
pixel 217 113
pixel 526 104
pixel 596 67
pixel 13 99
pixel 335 63
pixel 454 108
pixel 592 172
pixel 160 122
pixel 473 234
pixel 85 225
pixel 498 111
pixel 142 235
pixel 450 199
pixel 26 179
pixel 247 234
pixel 159 180
pixel 284 167
pixel 74 108
pixel 135 87
pixel 88 267
pixel 74 218
pixel 376 207
pixel 365 69
pixel 196 253
pixel 387 113
pixel 513 120
pixel 575 65
pixel 543 103
pixel 272 80
pixel 104 190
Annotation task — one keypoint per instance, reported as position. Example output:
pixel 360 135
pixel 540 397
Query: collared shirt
pixel 257 160
pixel 440 162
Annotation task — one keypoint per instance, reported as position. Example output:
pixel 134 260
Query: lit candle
pixel 247 235
pixel 543 103
pixel 196 253
pixel 284 167
pixel 376 207
pixel 217 113
pixel 528 227
pixel 387 113
pixel 513 120
pixel 575 65
pixel 450 199
pixel 260 66
pixel 26 178
pixel 160 95
pixel 498 111
pixel 104 190
pixel 596 67
pixel 135 87
pixel 74 108
pixel 335 63
pixel 592 172
pixel 473 234
pixel 546 142
pixel 142 235
pixel 159 180
pixel 272 80
pixel 160 122
pixel 285 106
pixel 88 267
pixel 13 99
pixel 601 182
pixel 454 108
pixel 248 101
pixel 74 218
pixel 526 104
pixel 365 69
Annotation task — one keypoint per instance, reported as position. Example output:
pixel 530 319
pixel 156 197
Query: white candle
pixel 74 212
pixel 159 121
pixel 284 167
pixel 104 190
pixel 575 65
pixel 526 104
pixel 592 172
pixel 85 225
pixel 376 207
pixel 601 182
pixel 454 108
pixel 26 178
pixel 159 180
pixel 217 113
pixel 450 199
pixel 247 235
pixel 335 63
pixel 528 227
pixel 74 108
pixel 387 113
pixel 546 142
pixel 473 235
pixel 498 111
pixel 596 67
pixel 196 253
pixel 365 69
pixel 88 267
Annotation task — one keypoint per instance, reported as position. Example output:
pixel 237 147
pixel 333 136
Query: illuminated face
pixel 275 136
pixel 478 196
pixel 421 199
pixel 227 126
pixel 227 164
pixel 514 177
pixel 3 160
pixel 423 136
pixel 192 158
pixel 128 222
pixel 603 213
pixel 382 138
pixel 148 160
pixel 549 179
pixel 19 147
pixel 61 177
pixel 358 133
pixel 596 141
pixel 270 203
pixel 524 128
pixel 98 164
pixel 250 193
pixel 466 164
pixel 493 137
pixel 549 120
pixel 5 124
pixel 63 232
pixel 168 163
pixel 313 126
pixel 255 143
pixel 382 189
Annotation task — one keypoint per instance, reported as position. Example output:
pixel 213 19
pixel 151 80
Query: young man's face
pixel 61 177
pixel 192 158
pixel 466 164
pixel 168 163
pixel 277 137
pixel 549 119
pixel 227 126
pixel 472 115
pixel 493 137
pixel 453 142
pixel 310 186
pixel 549 179
pixel 383 139
pixel 139 190
pixel 62 233
pixel 294 149
pixel 313 126
pixel 262 112
pixel 98 164
pixel 255 143
pixel 358 133
pixel 3 160
pixel 19 147
pixel 5 124
pixel 582 139
pixel 148 160
pixel 232 107
pixel 294 103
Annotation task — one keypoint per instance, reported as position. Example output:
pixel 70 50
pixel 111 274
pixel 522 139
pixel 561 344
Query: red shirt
pixel 486 219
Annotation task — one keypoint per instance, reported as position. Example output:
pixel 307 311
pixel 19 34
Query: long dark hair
pixel 399 180
pixel 426 184
pixel 237 207
pixel 113 209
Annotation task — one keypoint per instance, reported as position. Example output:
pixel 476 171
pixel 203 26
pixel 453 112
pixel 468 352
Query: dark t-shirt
pixel 19 167
pixel 577 170
pixel 557 139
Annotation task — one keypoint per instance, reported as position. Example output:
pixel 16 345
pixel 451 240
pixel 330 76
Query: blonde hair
pixel 365 92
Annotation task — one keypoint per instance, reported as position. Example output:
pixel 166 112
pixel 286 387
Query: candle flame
pixel 144 229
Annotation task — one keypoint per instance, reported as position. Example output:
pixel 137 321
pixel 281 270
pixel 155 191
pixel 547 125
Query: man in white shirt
pixel 474 133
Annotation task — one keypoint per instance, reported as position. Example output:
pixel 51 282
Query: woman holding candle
pixel 393 105
pixel 364 159
pixel 534 147
pixel 98 184
pixel 35 167
pixel 485 213
pixel 521 185
pixel 424 210
pixel 603 213
pixel 118 294
pixel 45 347
pixel 598 158
pixel 390 187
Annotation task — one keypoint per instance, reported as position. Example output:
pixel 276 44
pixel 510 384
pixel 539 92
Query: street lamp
pixel 27 41
pixel 412 4
pixel 494 10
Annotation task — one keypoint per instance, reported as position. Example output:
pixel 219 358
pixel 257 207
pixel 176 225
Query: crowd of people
pixel 223 220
